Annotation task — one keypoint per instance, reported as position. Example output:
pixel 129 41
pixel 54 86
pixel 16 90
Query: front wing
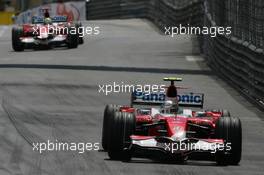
pixel 147 146
pixel 32 40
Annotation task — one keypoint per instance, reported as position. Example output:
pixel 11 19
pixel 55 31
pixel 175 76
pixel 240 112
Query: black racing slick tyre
pixel 81 40
pixel 73 38
pixel 17 45
pixel 80 32
pixel 122 128
pixel 230 130
pixel 108 116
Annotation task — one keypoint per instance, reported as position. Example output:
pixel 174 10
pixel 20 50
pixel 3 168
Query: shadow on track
pixel 188 163
pixel 108 68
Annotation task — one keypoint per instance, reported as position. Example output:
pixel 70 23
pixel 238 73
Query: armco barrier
pixel 161 12
pixel 109 9
pixel 239 58
pixel 236 60
pixel 166 13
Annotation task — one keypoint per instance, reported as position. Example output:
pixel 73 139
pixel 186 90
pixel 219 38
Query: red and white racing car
pixel 47 32
pixel 171 132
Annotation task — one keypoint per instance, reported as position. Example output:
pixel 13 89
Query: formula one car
pixel 171 132
pixel 47 32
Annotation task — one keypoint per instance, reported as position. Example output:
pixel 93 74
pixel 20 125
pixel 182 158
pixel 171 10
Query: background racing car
pixel 170 133
pixel 47 32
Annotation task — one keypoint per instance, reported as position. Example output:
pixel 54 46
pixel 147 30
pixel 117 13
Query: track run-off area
pixel 53 95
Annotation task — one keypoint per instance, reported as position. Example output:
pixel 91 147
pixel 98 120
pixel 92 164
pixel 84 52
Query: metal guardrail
pixel 162 12
pixel 238 57
pixel 169 13
pixel 110 9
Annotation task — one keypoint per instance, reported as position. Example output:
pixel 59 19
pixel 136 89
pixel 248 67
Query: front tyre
pixel 73 38
pixel 122 128
pixel 17 45
pixel 108 116
pixel 230 130
pixel 80 30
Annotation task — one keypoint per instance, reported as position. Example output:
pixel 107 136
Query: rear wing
pixel 55 19
pixel 184 99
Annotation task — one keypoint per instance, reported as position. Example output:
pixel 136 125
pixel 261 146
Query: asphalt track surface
pixel 53 95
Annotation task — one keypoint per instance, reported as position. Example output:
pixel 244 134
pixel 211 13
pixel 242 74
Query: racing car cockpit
pixel 169 107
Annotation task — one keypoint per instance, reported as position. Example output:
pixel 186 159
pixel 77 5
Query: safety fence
pixel 112 9
pixel 162 12
pixel 172 13
pixel 238 57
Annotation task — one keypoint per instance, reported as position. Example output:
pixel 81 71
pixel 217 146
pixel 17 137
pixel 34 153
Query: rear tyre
pixel 108 116
pixel 123 126
pixel 17 45
pixel 229 129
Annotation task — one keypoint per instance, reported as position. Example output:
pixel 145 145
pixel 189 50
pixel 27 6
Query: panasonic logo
pixel 149 97
pixel 188 98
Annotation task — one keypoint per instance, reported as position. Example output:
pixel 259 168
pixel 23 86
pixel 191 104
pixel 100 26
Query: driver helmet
pixel 47 21
pixel 169 106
